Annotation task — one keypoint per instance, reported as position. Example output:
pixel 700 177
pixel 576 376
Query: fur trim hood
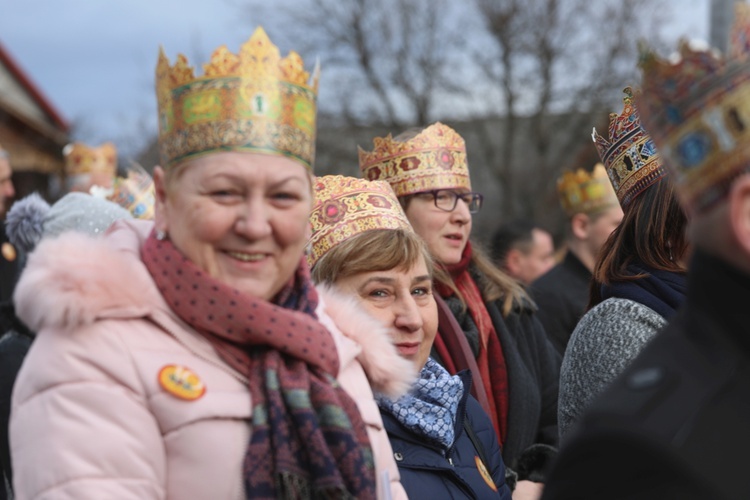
pixel 74 280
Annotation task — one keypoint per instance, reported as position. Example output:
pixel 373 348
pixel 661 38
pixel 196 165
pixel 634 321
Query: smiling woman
pixel 442 440
pixel 182 361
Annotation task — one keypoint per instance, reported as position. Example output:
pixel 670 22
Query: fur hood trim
pixel 388 372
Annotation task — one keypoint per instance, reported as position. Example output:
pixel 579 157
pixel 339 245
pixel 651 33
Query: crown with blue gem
pixel 629 155
pixel 697 110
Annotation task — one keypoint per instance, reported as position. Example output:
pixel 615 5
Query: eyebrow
pixel 377 279
pixel 420 279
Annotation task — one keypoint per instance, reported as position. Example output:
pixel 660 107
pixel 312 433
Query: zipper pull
pixel 450 461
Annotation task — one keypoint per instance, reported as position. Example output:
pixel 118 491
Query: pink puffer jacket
pixel 91 417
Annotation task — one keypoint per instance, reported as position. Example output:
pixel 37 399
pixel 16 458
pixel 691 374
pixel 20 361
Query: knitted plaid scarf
pixel 491 359
pixel 308 439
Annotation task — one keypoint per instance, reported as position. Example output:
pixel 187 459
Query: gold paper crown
pixel 135 193
pixel 583 193
pixel 82 159
pixel 254 101
pixel 631 159
pixel 434 159
pixel 346 206
pixel 698 112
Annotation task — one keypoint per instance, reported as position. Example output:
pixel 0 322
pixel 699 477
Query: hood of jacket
pixel 76 279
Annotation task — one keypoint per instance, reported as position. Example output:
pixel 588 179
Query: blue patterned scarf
pixel 430 409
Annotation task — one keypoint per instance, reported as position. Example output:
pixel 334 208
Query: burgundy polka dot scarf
pixel 308 438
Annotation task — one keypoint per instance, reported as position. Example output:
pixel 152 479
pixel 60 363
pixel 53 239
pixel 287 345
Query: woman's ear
pixel 160 200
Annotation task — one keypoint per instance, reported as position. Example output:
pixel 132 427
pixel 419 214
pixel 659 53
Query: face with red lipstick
pixel 241 217
pixel 402 299
pixel 446 233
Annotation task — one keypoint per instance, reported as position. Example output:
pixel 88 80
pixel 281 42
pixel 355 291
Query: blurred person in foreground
pixel 363 246
pixel 10 259
pixel 429 172
pixel 675 424
pixel 524 250
pixel 29 221
pixel 185 359
pixel 639 280
pixel 593 211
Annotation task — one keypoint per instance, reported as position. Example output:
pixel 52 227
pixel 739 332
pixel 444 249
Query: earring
pixel 669 247
pixel 161 235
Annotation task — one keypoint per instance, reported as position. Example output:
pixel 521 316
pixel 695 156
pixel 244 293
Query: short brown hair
pixel 652 231
pixel 376 250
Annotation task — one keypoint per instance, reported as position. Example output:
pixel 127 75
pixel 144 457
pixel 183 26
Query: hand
pixel 528 490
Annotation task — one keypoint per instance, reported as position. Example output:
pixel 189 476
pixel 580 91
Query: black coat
pixel 676 424
pixel 427 472
pixel 14 345
pixel 562 295
pixel 11 263
pixel 533 368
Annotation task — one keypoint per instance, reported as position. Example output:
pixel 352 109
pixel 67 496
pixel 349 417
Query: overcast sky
pixel 95 59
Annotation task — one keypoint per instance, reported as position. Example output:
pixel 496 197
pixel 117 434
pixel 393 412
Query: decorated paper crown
pixel 254 101
pixel 83 159
pixel 581 192
pixel 434 159
pixel 631 159
pixel 135 193
pixel 698 112
pixel 346 206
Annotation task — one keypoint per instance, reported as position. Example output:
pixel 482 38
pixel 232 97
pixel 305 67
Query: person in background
pixel 30 220
pixel 593 212
pixel 87 166
pixel 639 280
pixel 524 250
pixel 429 173
pixel 185 359
pixel 363 246
pixel 10 259
pixel 674 424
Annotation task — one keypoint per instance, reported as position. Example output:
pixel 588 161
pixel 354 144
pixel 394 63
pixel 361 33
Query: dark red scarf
pixel 308 438
pixel 491 360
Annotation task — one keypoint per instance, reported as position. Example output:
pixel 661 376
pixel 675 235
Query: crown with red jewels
pixel 433 159
pixel 254 101
pixel 698 112
pixel 581 192
pixel 346 206
pixel 83 159
pixel 630 157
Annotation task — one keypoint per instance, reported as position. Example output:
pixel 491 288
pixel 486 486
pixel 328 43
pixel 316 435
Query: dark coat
pixel 562 295
pixel 10 269
pixel 14 345
pixel 676 424
pixel 533 368
pixel 426 472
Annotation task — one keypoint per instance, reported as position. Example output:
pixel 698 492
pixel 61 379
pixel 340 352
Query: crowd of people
pixel 236 327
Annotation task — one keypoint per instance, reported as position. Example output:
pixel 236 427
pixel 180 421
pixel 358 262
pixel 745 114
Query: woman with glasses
pixel 519 368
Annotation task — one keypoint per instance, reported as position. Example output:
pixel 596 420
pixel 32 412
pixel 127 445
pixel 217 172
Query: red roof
pixel 32 89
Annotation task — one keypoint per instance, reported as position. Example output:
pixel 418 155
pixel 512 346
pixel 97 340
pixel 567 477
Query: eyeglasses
pixel 446 199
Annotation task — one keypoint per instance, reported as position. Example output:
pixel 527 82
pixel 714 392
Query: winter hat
pixel 31 219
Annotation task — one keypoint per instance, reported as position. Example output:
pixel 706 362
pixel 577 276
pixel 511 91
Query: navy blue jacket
pixel 426 472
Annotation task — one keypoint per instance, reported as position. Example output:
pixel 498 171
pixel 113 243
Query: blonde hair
pixel 376 250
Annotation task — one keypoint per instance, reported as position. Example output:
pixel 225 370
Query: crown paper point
pixel 253 101
pixel 696 110
pixel 433 159
pixel 630 157
pixel 82 159
pixel 347 206
pixel 581 192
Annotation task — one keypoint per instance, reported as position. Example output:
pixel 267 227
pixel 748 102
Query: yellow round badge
pixel 180 381
pixel 8 251
pixel 485 473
